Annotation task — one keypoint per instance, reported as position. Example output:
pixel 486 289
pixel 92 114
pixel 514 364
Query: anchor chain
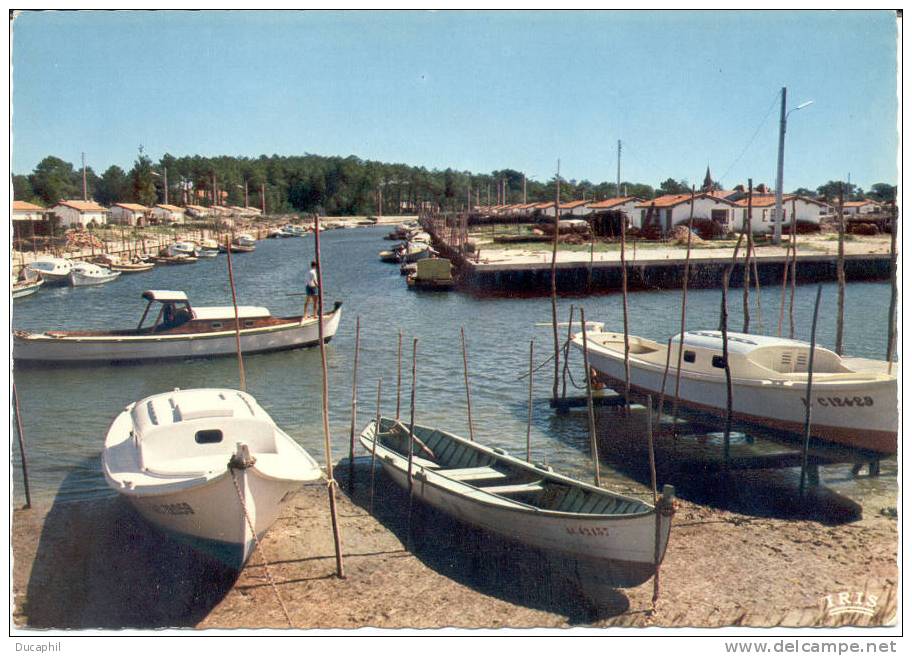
pixel 246 463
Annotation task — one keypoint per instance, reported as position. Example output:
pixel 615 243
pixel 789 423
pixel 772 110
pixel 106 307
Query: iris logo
pixel 845 603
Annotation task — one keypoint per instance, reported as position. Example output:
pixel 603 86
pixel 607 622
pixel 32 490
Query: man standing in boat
pixel 312 290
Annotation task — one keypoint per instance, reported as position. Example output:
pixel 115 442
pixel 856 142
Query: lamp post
pixel 783 118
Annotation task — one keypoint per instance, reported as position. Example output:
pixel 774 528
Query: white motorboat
pixel 415 251
pixel 23 288
pixel 854 400
pixel 208 466
pixel 182 249
pixel 608 538
pixel 135 265
pixel 207 248
pixel 177 331
pixel 83 274
pixel 52 270
pixel 240 244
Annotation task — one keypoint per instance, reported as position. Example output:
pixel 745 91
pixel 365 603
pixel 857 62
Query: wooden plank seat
pixel 422 462
pixel 467 474
pixel 518 488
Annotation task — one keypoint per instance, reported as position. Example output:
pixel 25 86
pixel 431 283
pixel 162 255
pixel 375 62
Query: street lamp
pixel 777 226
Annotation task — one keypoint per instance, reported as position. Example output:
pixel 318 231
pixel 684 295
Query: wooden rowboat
pixel 608 537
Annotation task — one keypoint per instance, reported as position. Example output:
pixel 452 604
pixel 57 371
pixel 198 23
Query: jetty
pixel 486 269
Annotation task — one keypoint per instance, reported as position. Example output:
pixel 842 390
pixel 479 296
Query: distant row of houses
pixel 727 208
pixel 73 213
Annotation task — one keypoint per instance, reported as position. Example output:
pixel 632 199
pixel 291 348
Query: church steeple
pixel 707 181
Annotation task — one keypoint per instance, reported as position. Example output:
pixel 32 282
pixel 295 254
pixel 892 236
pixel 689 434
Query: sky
pixel 474 90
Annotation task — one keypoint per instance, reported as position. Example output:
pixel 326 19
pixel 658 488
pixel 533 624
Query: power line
pixel 754 136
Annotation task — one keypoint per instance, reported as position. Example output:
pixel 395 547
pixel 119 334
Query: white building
pixel 626 204
pixel 168 213
pixel 131 214
pixel 670 210
pixel 854 207
pixel 763 211
pixel 199 211
pixel 23 211
pixel 575 208
pixel 80 213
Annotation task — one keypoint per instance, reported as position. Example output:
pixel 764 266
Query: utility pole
pixel 263 198
pixel 777 226
pixel 524 189
pixel 618 189
pixel 165 170
pixel 85 195
pixel 246 197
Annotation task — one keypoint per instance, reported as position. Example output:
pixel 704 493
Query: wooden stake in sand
pixel 891 317
pixel 593 444
pixel 354 407
pixel 840 275
pixel 327 447
pixel 529 424
pixel 20 434
pixel 237 322
pixel 723 327
pixel 374 445
pixel 655 500
pixel 465 372
pixel 807 396
pixel 399 375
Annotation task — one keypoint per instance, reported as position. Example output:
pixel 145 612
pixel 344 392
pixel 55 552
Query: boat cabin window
pixel 718 362
pixel 248 323
pixel 213 436
pixel 216 325
pixel 690 356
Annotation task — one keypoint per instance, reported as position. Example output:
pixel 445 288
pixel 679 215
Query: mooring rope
pixel 259 547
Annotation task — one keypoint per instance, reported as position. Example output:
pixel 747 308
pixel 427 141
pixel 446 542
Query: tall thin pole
pixel 618 189
pixel 237 319
pixel 263 199
pixel 327 447
pixel 593 443
pixel 465 371
pixel 554 282
pixel 20 435
pixel 529 424
pixel 354 406
pixel 746 227
pixel 840 276
pixel 891 318
pixel 411 434
pixel 374 445
pixel 808 404
pixel 165 171
pixel 626 321
pixel 567 356
pixel 399 375
pixel 85 193
pixel 246 196
pixel 525 201
pixel 777 226
pixel 674 414
pixel 794 269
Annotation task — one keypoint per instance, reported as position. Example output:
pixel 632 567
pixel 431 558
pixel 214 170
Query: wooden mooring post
pixel 374 446
pixel 327 447
pixel 465 372
pixel 529 423
pixel 593 436
pixel 20 435
pixel 840 275
pixel 354 407
pixel 808 404
pixel 237 322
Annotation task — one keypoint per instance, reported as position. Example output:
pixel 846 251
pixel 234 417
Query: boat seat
pixel 519 488
pixel 421 462
pixel 473 474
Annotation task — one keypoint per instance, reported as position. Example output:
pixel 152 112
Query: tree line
pixel 331 185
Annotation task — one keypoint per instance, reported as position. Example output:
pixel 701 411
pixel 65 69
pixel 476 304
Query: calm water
pixel 66 412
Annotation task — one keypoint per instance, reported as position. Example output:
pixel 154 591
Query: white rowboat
pixel 208 466
pixel 611 537
pixel 83 274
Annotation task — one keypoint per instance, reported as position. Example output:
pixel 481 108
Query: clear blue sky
pixel 473 90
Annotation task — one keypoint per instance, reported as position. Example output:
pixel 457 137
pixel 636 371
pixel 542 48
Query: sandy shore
pixel 97 564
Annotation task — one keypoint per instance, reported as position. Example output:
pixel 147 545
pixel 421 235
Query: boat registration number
pixel 181 508
pixel 587 530
pixel 843 401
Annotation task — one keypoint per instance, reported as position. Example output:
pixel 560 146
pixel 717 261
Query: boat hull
pixel 24 290
pixel 45 348
pixel 211 517
pixel 859 415
pixel 78 279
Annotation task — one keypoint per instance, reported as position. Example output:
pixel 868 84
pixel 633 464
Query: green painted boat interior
pixel 467 463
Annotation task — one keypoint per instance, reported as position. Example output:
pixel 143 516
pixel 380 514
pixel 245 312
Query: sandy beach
pixel 98 565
